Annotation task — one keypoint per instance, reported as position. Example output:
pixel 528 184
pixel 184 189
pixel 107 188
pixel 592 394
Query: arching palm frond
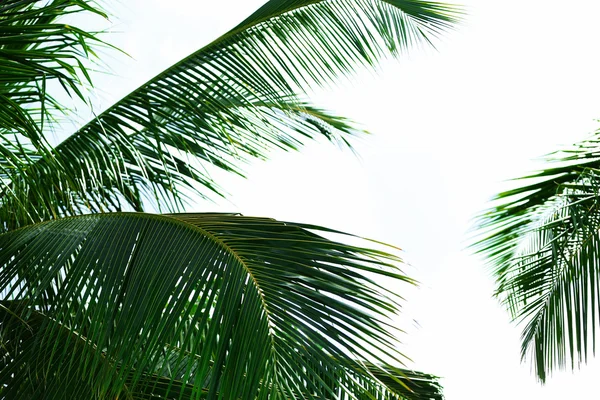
pixel 231 101
pixel 543 240
pixel 95 174
pixel 198 305
pixel 36 49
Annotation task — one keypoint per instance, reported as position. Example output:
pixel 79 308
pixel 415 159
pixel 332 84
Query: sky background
pixel 516 80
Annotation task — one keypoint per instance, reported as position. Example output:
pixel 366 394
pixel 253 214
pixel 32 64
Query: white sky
pixel 517 79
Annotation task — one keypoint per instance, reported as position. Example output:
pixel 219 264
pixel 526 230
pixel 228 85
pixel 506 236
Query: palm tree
pixel 543 240
pixel 101 300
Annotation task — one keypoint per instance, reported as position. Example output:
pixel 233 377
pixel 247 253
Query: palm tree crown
pixel 101 300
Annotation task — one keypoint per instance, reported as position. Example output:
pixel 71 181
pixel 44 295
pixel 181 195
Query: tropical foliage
pixel 100 300
pixel 543 239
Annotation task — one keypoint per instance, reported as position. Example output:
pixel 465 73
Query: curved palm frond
pixel 198 305
pixel 35 50
pixel 543 240
pixel 126 174
pixel 231 101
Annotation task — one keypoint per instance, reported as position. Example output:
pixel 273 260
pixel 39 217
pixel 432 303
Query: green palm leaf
pixel 36 50
pixel 231 101
pixel 544 243
pixel 197 305
pixel 37 54
pixel 92 175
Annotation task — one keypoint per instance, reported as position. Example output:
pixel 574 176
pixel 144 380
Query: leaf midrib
pixel 270 324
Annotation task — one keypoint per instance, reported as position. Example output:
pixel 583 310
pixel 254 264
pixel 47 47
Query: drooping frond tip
pixel 542 239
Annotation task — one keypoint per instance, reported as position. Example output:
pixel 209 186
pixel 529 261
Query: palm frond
pixel 92 174
pixel 391 383
pixel 36 49
pixel 543 239
pixel 231 101
pixel 38 52
pixel 203 304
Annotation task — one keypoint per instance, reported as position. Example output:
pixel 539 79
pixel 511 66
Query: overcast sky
pixel 515 81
